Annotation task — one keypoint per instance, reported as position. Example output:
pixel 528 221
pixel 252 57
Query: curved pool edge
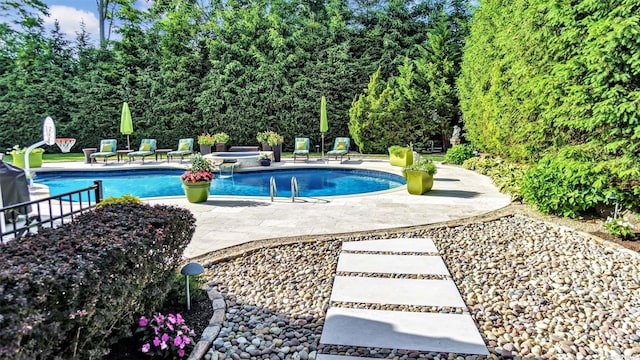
pixel 282 166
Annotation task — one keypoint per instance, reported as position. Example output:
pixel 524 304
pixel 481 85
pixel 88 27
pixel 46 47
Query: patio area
pixel 227 221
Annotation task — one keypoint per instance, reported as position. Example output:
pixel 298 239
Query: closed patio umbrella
pixel 324 124
pixel 126 124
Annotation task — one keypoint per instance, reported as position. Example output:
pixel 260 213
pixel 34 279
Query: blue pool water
pixel 155 182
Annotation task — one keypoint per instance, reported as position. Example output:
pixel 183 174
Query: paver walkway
pixel 361 280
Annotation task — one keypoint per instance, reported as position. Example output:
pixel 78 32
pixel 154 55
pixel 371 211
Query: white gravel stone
pixel 534 290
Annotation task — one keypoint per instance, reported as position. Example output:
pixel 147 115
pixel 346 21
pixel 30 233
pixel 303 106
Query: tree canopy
pixel 187 67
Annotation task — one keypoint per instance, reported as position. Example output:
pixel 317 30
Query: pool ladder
pixel 273 189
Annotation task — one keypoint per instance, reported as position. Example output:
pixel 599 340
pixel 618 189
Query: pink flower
pixel 177 341
pixel 179 319
pixel 164 337
pixel 163 345
pixel 143 321
pixel 146 347
pixel 156 342
pixel 181 352
pixel 186 340
pixel 172 318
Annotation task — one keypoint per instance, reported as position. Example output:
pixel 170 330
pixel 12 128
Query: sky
pixel 70 14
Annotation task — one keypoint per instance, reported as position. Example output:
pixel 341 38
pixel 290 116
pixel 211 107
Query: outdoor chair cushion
pixel 106 148
pixel 145 147
pixel 301 145
pixel 342 145
pixel 184 146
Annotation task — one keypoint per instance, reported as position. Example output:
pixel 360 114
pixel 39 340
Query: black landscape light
pixel 191 269
pixel 615 210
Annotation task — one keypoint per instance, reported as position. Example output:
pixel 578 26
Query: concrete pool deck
pixel 226 221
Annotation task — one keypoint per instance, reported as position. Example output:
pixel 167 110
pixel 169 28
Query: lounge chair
pixel 147 148
pixel 340 148
pixel 301 148
pixel 108 149
pixel 185 148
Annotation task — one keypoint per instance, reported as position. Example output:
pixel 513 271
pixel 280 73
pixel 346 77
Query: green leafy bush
pixel 177 293
pixel 579 178
pixel 619 227
pixel 506 176
pixel 72 291
pixel 124 199
pixel 458 154
pixel 481 164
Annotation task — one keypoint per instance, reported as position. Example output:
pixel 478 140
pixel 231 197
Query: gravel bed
pixel 534 289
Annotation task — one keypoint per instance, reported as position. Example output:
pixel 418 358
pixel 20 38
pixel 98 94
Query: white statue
pixel 455 137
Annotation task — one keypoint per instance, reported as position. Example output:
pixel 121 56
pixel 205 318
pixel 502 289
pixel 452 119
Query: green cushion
pixel 145 147
pixel 106 148
pixel 184 146
pixel 342 145
pixel 301 145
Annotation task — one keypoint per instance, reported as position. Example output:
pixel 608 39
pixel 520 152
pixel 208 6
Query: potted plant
pixel 400 156
pixel 419 176
pixel 270 140
pixel 206 141
pixel 197 179
pixel 264 159
pixel 221 140
pixel 35 157
pixel 275 141
pixel 262 138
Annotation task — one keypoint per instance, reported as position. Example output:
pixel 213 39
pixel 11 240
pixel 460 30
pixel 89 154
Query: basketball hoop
pixel 65 144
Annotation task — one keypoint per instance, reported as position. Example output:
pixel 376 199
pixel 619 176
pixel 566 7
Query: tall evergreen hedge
pixel 539 76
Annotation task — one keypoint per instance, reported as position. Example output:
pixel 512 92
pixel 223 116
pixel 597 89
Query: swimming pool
pixel 156 182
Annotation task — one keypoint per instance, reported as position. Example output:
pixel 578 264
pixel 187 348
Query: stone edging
pixel 211 332
pixel 209 259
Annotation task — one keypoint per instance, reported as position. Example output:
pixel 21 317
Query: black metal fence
pixel 20 219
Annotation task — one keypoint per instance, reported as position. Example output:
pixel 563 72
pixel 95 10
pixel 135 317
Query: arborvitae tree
pixel 370 115
pixel 421 102
pixel 559 80
pixel 96 106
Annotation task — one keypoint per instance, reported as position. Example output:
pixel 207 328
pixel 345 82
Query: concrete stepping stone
pixel 392 264
pixel 396 291
pixel 394 245
pixel 455 333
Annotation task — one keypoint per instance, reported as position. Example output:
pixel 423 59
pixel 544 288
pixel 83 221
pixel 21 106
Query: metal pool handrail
pixel 294 189
pixel 273 189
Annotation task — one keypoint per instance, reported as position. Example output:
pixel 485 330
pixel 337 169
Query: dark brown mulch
pixel 631 244
pixel 197 319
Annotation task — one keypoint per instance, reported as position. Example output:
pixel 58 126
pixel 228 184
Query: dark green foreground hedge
pixel 72 291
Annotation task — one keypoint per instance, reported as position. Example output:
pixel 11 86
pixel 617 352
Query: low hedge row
pixel 579 178
pixel 71 292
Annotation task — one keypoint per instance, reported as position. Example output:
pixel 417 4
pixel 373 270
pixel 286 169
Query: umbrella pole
pixel 128 146
pixel 322 147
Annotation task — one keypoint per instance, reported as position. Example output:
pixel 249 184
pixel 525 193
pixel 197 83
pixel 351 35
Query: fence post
pixel 98 184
